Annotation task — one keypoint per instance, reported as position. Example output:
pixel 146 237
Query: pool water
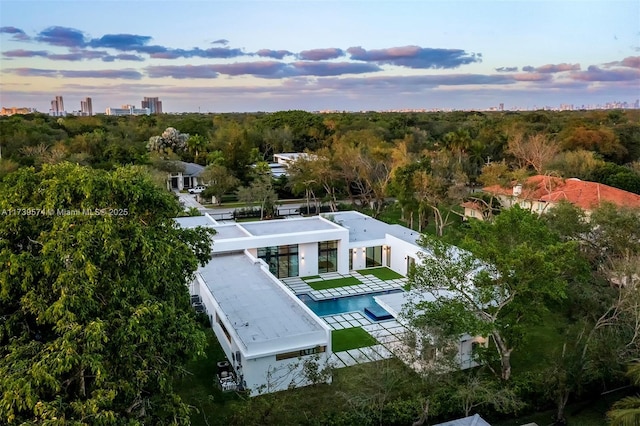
pixel 343 304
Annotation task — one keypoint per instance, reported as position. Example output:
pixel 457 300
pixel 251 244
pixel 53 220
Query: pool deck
pixel 370 284
pixel 388 333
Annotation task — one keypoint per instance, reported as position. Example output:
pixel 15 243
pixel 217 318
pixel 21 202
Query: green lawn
pixel 335 283
pixel 382 273
pixel 310 277
pixel 543 344
pixel 198 389
pixel 351 338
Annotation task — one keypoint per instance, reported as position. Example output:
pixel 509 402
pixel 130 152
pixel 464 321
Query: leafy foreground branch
pixel 96 315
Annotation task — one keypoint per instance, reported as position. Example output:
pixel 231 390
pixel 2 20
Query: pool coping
pixel 344 296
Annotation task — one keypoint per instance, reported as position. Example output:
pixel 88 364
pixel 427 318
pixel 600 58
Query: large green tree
pixel 500 287
pixel 96 317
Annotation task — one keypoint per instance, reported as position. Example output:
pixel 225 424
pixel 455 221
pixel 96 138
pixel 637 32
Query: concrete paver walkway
pixel 370 284
pixel 387 333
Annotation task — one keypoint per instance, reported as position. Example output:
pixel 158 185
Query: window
pixel 327 256
pixel 224 329
pixel 300 353
pixel 388 256
pixel 374 256
pixel 351 253
pixel 282 260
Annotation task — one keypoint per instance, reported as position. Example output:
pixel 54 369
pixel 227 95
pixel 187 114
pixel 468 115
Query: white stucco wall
pixel 400 250
pixel 266 375
pixel 257 366
pixel 308 259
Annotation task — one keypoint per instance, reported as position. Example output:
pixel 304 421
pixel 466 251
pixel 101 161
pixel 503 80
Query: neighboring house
pixel 472 209
pixel 266 331
pixel 283 160
pixel 540 193
pixel 188 177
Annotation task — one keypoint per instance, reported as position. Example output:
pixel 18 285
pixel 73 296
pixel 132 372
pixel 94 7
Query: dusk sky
pixel 222 56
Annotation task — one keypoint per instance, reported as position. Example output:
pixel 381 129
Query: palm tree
pixel 626 412
pixel 195 143
pixel 458 142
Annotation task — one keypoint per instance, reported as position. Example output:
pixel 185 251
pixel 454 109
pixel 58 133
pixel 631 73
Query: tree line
pixel 427 161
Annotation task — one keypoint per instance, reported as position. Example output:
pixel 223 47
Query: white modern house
pixel 283 160
pixel 266 331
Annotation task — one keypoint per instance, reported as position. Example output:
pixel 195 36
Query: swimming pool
pixel 342 304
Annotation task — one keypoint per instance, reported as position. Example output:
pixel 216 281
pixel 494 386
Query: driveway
pixel 189 200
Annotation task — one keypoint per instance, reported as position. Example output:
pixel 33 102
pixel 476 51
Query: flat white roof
pixel 231 230
pixel 404 234
pixel 266 317
pixel 193 221
pixel 364 228
pixel 394 302
pixel 361 227
pixel 289 226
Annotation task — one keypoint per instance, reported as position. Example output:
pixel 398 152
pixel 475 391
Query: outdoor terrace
pixel 333 284
pixel 356 338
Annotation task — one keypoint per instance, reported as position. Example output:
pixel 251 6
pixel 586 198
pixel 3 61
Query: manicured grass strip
pixel 382 273
pixel 350 338
pixel 310 277
pixel 335 283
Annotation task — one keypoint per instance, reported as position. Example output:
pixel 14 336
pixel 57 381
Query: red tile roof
pixel 583 194
pixel 471 205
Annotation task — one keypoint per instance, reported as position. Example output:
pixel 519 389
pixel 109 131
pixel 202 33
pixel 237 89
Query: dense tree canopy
pixel 96 316
pixel 514 269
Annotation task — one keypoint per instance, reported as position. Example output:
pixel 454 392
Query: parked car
pixel 197 189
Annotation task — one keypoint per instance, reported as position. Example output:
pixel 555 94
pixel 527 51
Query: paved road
pixel 226 213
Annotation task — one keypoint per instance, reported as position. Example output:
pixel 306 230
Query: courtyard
pixel 340 301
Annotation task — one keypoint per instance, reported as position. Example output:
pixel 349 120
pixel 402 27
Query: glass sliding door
pixel 374 256
pixel 282 260
pixel 327 256
pixel 351 253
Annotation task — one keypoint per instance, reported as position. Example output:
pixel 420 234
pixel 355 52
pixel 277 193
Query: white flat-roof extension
pixel 265 316
pixel 290 226
pixel 229 231
pixel 194 221
pixel 269 233
pixel 394 302
pixel 363 229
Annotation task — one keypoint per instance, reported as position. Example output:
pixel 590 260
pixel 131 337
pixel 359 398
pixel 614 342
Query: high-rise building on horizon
pixel 154 105
pixel 86 108
pixel 57 107
pixel 127 110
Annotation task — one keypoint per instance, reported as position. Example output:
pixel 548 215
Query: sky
pixel 264 55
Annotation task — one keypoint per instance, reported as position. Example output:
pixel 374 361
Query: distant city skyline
pixel 224 56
